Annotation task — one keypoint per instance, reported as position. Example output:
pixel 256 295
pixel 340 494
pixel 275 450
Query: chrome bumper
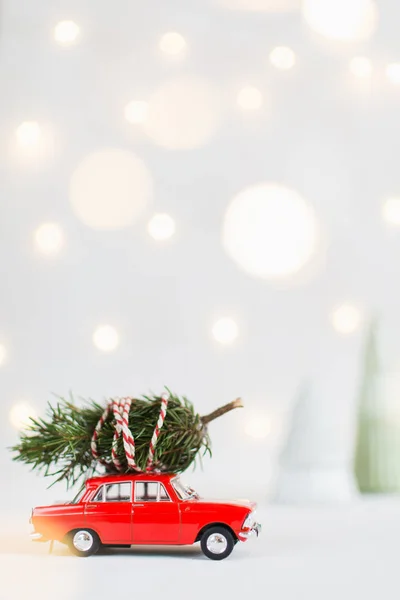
pixel 37 537
pixel 255 530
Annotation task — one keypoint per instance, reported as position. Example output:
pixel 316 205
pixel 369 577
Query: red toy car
pixel 121 510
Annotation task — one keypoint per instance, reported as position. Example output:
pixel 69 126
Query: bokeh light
pixel 183 113
pixel 20 415
pixel 110 188
pixel 3 354
pixel 29 134
pixel 249 98
pixel 269 231
pixel 342 20
pixel 391 211
pixel 360 67
pixel 282 57
pixel 225 330
pixel 161 227
pixel 106 338
pixel 49 238
pixel 172 43
pixel 261 5
pixel 33 143
pixel 392 73
pixel 66 33
pixel 346 319
pixel 136 111
pixel 258 426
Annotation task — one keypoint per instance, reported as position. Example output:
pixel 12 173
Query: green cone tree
pixel 377 454
pixel 59 444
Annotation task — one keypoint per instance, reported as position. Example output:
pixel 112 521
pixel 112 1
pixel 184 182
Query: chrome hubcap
pixel 83 541
pixel 217 543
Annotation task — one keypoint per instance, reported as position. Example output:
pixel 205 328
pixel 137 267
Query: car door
pixel 110 513
pixel 156 516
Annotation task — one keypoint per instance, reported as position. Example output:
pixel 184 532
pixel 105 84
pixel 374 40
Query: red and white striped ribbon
pixel 127 437
pixel 95 437
pixel 120 408
pixel 160 423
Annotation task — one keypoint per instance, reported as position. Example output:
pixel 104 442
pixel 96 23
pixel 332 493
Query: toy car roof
pixel 130 477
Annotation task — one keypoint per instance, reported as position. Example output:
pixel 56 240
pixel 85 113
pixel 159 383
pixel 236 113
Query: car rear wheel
pixel 217 543
pixel 83 542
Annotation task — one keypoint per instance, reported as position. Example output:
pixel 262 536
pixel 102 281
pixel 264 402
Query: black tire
pixel 217 542
pixel 83 542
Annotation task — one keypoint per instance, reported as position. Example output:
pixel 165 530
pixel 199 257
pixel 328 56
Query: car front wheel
pixel 217 543
pixel 83 542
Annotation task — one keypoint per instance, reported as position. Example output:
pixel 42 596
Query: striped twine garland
pixel 120 408
pixel 117 407
pixel 95 437
pixel 160 422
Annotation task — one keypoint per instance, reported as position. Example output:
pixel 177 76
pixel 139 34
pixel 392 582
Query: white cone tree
pixel 313 465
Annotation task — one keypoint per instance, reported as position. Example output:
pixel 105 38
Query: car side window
pixel 150 491
pixel 118 492
pixel 163 494
pixel 146 491
pixel 98 497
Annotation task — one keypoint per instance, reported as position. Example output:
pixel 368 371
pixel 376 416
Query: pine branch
pixel 59 444
pixel 222 410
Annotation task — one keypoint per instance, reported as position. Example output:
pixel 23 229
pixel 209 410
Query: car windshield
pixel 185 492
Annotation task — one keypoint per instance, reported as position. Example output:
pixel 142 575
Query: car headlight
pixel 250 519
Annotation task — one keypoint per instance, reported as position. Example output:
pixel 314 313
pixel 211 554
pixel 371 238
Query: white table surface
pixel 322 553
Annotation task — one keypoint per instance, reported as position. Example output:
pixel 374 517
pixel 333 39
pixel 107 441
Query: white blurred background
pixel 202 194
